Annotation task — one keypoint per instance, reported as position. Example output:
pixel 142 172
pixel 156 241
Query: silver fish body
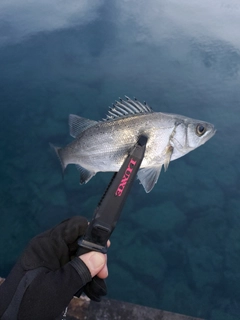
pixel 103 145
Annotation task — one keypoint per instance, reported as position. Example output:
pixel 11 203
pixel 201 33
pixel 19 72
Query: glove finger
pixel 76 228
pixel 96 289
pixel 71 229
pixel 54 247
pixel 78 293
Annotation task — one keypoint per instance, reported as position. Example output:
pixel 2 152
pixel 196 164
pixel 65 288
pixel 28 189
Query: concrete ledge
pixel 83 308
pixel 107 309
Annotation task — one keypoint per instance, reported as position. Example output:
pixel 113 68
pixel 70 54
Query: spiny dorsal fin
pixel 78 124
pixel 126 108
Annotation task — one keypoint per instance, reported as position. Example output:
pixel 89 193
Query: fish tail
pixel 58 152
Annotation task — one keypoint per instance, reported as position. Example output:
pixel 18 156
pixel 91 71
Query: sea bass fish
pixel 103 145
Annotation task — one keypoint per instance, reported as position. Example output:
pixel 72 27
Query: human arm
pixel 57 274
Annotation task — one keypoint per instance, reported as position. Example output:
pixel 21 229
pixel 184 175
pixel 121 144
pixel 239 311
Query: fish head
pixel 190 134
pixel 198 133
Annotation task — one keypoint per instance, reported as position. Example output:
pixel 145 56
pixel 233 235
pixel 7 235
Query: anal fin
pixel 85 175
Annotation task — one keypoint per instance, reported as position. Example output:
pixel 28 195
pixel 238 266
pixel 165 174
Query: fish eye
pixel 200 130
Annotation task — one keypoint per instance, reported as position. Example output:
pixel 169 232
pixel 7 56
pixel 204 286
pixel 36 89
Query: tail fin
pixel 58 153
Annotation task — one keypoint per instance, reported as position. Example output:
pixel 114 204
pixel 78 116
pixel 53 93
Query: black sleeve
pixel 9 287
pixel 49 291
pixel 44 279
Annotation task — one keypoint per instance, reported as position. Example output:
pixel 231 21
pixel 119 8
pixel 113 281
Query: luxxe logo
pixel 125 177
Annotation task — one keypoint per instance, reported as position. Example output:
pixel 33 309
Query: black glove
pixel 47 275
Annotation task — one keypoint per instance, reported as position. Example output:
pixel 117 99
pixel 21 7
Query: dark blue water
pixel 178 247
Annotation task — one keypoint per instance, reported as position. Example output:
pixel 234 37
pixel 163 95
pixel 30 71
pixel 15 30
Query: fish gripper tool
pixel 109 208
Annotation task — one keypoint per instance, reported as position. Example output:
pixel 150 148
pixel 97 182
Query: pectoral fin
pixel 169 152
pixel 85 175
pixel 148 177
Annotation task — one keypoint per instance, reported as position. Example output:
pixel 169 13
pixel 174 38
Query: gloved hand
pixel 48 274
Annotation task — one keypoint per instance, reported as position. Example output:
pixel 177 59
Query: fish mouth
pixel 214 131
pixel 210 134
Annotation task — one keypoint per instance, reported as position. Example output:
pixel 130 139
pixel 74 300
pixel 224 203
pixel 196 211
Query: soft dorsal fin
pixel 78 124
pixel 126 108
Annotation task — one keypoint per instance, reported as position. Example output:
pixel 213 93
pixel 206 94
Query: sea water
pixel 178 247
